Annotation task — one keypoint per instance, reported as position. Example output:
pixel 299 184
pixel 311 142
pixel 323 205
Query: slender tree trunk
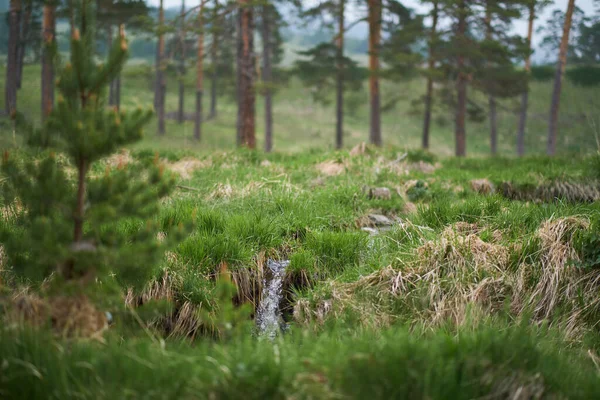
pixel 80 206
pixel 214 61
pixel 25 32
pixel 48 33
pixel 430 68
pixel 560 69
pixel 161 88
pixel 525 95
pixel 339 122
pixel 374 44
pixel 199 75
pixel 12 62
pixel 238 77
pixel 491 98
pixel 181 107
pixel 247 99
pixel 112 85
pixel 267 76
pixel 118 92
pixel 461 87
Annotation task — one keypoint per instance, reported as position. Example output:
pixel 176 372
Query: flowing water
pixel 268 316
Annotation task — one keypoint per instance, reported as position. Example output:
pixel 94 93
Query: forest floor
pixel 412 274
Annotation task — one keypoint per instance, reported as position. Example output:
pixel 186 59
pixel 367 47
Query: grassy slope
pixel 301 124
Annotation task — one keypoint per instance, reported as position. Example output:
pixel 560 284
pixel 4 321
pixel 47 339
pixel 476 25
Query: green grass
pixel 301 124
pixel 396 363
pixel 244 206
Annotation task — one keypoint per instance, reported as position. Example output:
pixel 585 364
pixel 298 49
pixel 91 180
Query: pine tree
pixel 160 89
pixel 246 76
pixel 336 11
pixel 560 70
pixel 110 14
pixel 182 69
pixel 199 73
pixel 533 7
pixel 482 60
pixel 431 61
pixel 375 15
pixel 67 222
pixel 10 96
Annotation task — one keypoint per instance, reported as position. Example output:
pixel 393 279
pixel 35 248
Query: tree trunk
pixel 49 33
pixel 112 86
pixel 181 107
pixel 25 32
pixel 491 98
pixel 118 92
pixel 560 69
pixel 374 43
pixel 82 167
pixel 199 75
pixel 339 122
pixel 461 87
pixel 214 61
pixel 430 67
pixel 238 77
pixel 267 76
pixel 247 100
pixel 12 62
pixel 161 86
pixel 525 96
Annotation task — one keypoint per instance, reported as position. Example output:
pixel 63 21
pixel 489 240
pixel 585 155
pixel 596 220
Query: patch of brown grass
pixel 185 167
pixel 458 272
pixel 331 168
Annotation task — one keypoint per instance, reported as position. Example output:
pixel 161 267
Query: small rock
pixel 380 193
pixel 265 163
pixel 380 220
pixel 482 186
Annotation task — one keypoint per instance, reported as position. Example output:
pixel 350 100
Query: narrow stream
pixel 268 315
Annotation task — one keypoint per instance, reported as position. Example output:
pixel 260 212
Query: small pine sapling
pixel 79 229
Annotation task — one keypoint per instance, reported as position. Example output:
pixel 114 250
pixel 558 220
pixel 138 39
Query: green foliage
pixel 69 222
pixel 543 73
pixel 319 69
pixel 336 251
pixel 586 75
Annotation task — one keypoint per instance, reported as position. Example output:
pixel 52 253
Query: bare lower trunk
pixel 112 101
pixel 493 126
pixel 181 103
pixel 12 57
pixel 267 77
pixel 525 96
pixel 25 32
pixel 374 43
pixel 80 206
pixel 214 61
pixel 118 92
pixel 560 69
pixel 161 88
pixel 247 99
pixel 491 98
pixel 199 75
pixel 461 89
pixel 239 80
pixel 339 104
pixel 430 68
pixel 48 32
